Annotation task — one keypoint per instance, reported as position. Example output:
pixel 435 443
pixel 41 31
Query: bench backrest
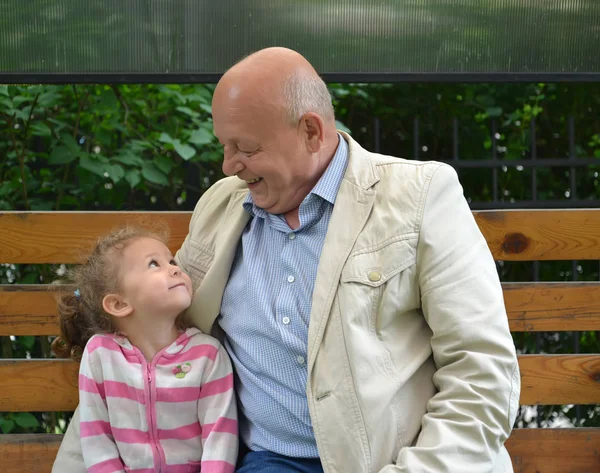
pixel 512 235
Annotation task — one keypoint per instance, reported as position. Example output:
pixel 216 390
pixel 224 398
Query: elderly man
pixel 354 293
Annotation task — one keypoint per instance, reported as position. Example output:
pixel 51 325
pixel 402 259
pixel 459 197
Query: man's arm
pixel 70 457
pixel 477 375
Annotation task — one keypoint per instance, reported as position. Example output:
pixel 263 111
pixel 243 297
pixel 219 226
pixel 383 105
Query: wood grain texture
pixel 28 310
pixel 560 379
pixel 38 385
pixel 51 385
pixel 531 307
pixel 555 450
pixel 28 453
pixel 528 235
pixel 552 307
pixel 66 237
pixel 513 235
pixel 531 450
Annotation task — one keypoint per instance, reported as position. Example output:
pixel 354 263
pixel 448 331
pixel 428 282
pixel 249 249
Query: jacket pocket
pixel 377 265
pixel 194 467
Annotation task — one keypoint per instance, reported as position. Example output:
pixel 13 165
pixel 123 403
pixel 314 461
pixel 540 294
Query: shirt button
pixel 291 278
pixel 300 360
pixel 374 276
pixel 286 320
pixel 292 236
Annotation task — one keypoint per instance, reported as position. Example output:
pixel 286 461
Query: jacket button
pixel 374 276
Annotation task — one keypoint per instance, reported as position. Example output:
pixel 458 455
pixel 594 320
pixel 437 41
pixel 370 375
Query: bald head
pixel 281 79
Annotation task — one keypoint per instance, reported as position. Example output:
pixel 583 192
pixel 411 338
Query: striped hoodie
pixel 176 414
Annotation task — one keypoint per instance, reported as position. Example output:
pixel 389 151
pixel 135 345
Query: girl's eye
pixel 173 262
pixel 152 264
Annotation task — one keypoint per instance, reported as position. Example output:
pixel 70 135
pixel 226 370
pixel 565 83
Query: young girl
pixel 153 396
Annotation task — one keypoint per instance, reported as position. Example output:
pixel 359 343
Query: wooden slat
pixel 560 379
pixel 552 307
pixel 555 450
pixel 51 385
pixel 38 385
pixel 513 235
pixel 65 237
pixel 531 307
pixel 27 310
pixel 527 235
pixel 531 450
pixel 28 453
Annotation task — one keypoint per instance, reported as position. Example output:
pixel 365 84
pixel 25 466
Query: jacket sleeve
pixel 70 457
pixel 477 377
pixel 217 412
pixel 99 450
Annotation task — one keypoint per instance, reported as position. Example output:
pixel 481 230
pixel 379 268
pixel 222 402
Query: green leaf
pixel 151 173
pixel 129 159
pixel 597 153
pixel 61 155
pixel 188 111
pixel 164 164
pixel 70 143
pixel 115 172
pixel 27 341
pixel 185 151
pixel 201 136
pixel 165 138
pixel 133 177
pixel 26 420
pixel 40 129
pixel 6 425
pixel 95 166
pixel 494 112
pixel 206 107
pixel 4 90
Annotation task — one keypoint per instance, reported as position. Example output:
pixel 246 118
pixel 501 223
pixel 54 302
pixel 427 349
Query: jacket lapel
pixel 352 208
pixel 206 303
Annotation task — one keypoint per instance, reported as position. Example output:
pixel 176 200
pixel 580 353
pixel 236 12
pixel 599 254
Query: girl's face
pixel 151 282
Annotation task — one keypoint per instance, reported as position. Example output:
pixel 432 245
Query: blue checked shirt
pixel 265 314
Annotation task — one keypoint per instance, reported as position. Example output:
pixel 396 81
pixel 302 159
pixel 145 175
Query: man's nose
pixel 231 164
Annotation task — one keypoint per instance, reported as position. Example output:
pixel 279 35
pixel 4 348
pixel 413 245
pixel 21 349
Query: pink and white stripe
pixel 193 418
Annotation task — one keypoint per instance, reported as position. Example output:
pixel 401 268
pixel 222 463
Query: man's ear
pixel 313 128
pixel 116 305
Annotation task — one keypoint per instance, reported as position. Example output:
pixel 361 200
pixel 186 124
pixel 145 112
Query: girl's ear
pixel 116 305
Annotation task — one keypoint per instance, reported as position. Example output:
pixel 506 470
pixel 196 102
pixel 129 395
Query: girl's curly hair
pixel 80 312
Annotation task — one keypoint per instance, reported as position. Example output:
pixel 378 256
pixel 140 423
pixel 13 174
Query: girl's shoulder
pixel 103 341
pixel 194 343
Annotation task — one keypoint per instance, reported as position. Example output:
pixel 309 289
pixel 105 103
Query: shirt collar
pixel 328 185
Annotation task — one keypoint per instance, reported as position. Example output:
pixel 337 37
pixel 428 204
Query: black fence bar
pixel 377 134
pixel 574 265
pixel 536 264
pixel 494 159
pixel 455 139
pixel 416 138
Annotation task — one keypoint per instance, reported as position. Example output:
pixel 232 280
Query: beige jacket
pixel 411 366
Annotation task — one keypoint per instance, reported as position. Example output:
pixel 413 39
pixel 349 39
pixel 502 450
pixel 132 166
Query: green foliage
pixel 106 147
pixel 151 147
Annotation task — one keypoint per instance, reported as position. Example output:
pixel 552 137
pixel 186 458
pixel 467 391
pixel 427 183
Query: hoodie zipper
pixel 151 420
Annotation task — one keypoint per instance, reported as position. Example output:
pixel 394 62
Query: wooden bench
pixel 515 235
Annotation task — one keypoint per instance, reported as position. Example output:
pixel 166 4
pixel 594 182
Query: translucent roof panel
pixel 197 40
